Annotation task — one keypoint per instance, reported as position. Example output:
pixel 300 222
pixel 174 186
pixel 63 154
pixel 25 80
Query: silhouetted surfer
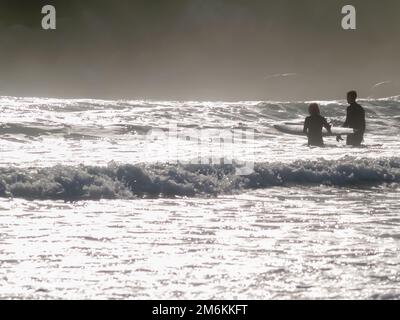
pixel 355 119
pixel 313 126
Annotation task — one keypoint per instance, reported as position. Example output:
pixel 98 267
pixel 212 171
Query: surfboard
pixel 297 129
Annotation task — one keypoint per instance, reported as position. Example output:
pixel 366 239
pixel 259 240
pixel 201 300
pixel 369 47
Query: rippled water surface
pixel 276 243
pixel 91 208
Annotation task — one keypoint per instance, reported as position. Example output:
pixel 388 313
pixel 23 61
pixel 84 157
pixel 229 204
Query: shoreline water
pixel 91 209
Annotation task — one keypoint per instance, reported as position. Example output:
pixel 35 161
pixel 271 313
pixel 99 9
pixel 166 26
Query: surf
pixel 127 181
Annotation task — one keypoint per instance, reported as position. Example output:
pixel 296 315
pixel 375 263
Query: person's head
pixel 351 96
pixel 313 109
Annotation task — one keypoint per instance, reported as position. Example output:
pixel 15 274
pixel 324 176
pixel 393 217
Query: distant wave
pixel 86 119
pixel 163 180
pixel 29 129
pixel 68 131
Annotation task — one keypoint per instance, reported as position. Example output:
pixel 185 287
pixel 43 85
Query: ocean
pixel 195 200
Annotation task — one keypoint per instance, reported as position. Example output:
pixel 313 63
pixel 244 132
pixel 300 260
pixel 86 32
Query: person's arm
pixel 347 121
pixel 363 120
pixel 345 125
pixel 305 128
pixel 327 126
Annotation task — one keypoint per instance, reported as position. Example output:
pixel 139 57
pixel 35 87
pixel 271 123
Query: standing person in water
pixel 313 126
pixel 355 119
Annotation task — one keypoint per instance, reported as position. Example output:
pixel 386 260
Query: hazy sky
pixel 199 49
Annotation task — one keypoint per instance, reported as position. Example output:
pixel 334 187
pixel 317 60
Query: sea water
pixel 90 207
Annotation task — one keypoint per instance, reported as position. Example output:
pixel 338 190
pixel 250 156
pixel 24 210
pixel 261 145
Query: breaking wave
pixel 165 180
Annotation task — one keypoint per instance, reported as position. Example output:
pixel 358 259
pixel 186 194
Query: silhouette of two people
pixel 355 119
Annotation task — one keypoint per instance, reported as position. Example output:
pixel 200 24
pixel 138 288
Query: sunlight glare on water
pixel 276 243
pixel 90 208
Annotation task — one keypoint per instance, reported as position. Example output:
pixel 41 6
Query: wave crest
pixel 163 180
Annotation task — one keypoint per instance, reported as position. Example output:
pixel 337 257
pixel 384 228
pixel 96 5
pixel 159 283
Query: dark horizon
pixel 199 50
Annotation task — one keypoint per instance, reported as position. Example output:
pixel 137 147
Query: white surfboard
pixel 297 129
